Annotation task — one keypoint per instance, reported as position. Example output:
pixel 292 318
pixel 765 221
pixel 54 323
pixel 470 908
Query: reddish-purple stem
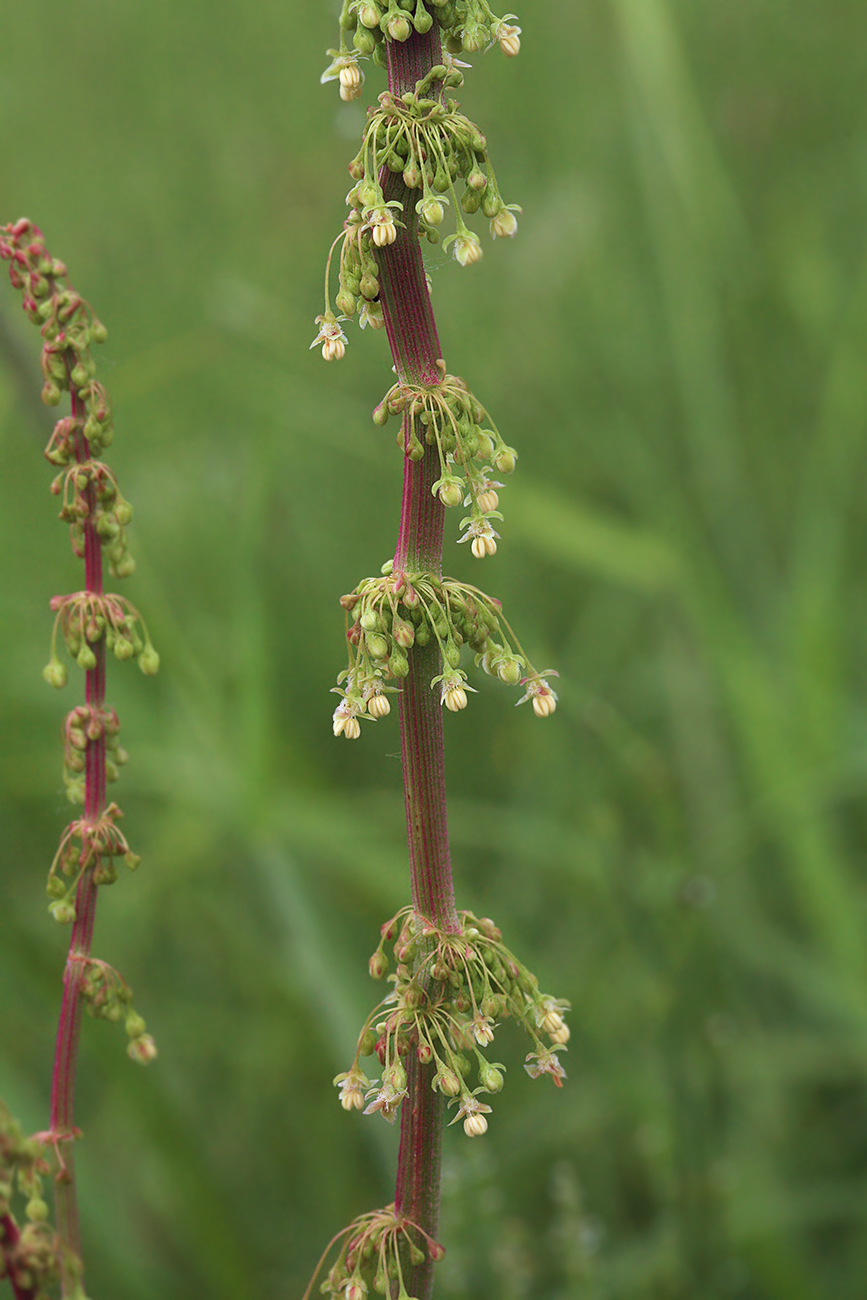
pixel 416 351
pixel 62 1132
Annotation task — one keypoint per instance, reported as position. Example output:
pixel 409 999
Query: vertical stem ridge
pixel 69 1027
pixel 415 347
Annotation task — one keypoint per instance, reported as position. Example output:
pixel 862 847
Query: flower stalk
pixel 91 623
pixel 453 979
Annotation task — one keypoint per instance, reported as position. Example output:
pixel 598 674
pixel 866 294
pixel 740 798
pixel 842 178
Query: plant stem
pixel 415 348
pixel 62 1132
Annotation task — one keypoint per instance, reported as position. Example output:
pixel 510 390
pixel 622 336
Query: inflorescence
pixel 430 144
pixel 387 616
pixel 450 992
pixel 370 1256
pixel 29 1256
pixel 94 507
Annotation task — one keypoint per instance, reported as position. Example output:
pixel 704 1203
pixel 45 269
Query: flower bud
pixel 491 1078
pixel 36 1210
pixel 398 28
pixel 447 1081
pixel 424 1053
pixel 398 664
pixel 135 1025
pixel 506 460
pixel 509 671
pixel 142 1050
pixel 432 212
pixel 504 224
pixel 55 673
pixel 346 303
pixel 396 1076
pixel 377 645
pixel 63 912
pixel 148 661
pixel 378 965
pixel 451 493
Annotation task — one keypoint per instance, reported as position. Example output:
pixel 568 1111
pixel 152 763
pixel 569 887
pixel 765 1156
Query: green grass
pixel 674 342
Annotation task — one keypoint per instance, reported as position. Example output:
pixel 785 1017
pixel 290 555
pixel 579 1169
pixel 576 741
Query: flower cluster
pixel 86 844
pixel 469 446
pixel 370 1256
pixel 107 996
pixel 387 616
pixel 68 327
pixel 83 619
pixel 90 495
pixel 450 993
pixel 465 25
pixel 432 146
pixel 29 1256
pixel 83 727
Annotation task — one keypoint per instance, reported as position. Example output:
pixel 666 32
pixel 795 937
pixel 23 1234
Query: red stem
pixel 416 350
pixel 62 1132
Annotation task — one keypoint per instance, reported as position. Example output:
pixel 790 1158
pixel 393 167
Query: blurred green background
pixel 675 343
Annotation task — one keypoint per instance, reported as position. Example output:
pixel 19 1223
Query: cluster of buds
pixel 469 446
pixel 29 1254
pixel 107 996
pixel 85 618
pixel 84 726
pixel 372 1255
pixel 468 26
pixel 86 845
pixel 68 327
pixel 432 147
pixel 450 992
pixel 388 615
pixel 90 495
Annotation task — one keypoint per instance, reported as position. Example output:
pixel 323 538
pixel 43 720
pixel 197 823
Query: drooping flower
pixel 386 1101
pixel 344 68
pixel 352 1085
pixel 482 538
pixel 539 1063
pixel 538 690
pixel 509 36
pixel 483 1030
pixel 504 225
pixel 331 337
pixel 472 1112
pixel 467 248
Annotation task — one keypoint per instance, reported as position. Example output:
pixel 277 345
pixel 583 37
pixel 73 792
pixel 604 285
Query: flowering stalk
pixel 405 628
pixel 90 622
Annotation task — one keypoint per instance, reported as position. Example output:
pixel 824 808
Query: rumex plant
pixel 408 628
pixel 92 623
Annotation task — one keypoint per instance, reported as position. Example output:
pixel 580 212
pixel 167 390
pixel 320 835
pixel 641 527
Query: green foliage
pixel 678 850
